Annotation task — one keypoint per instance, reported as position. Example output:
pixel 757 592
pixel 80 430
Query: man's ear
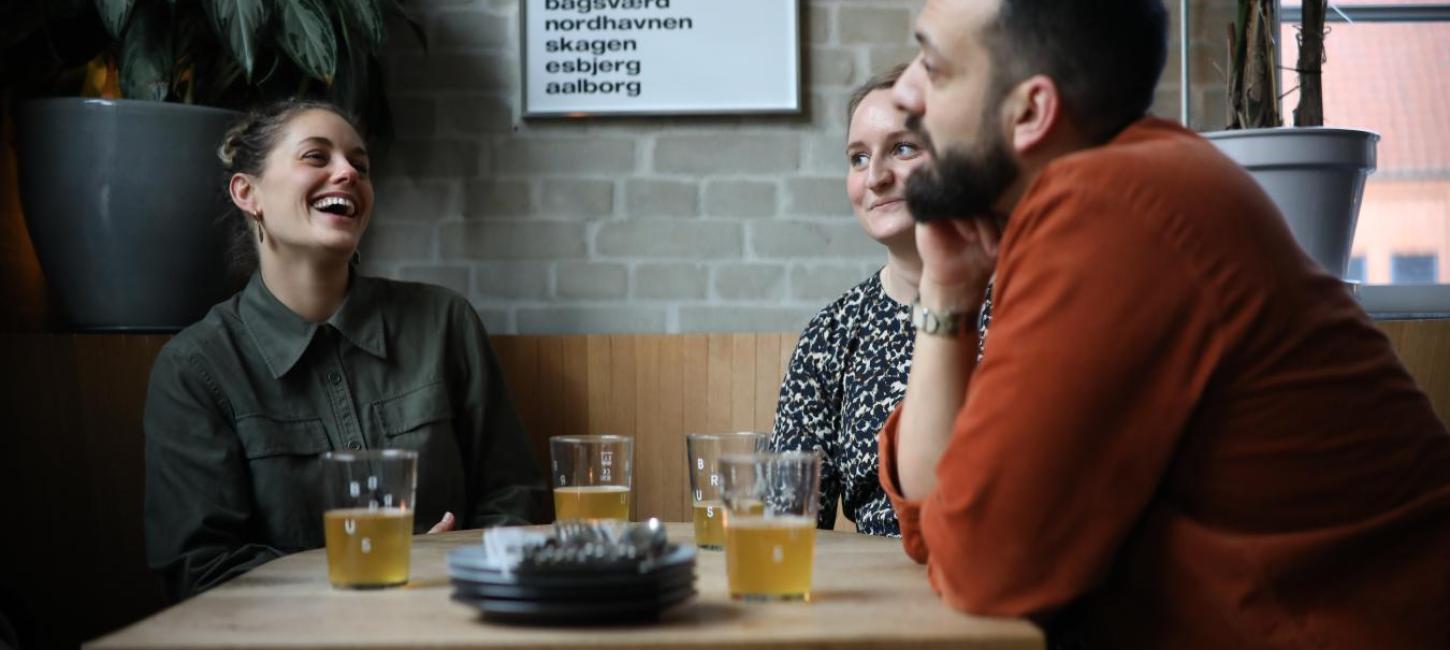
pixel 1034 111
pixel 244 194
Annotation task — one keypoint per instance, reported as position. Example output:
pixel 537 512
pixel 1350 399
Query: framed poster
pixel 636 57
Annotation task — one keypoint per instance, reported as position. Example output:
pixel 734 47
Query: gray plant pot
pixel 123 200
pixel 1315 176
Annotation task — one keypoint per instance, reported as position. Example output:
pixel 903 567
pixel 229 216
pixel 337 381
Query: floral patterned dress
pixel 848 372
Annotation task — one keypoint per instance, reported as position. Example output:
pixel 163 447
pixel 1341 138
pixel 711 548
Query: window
pixel 1413 269
pixel 1356 269
pixel 1385 70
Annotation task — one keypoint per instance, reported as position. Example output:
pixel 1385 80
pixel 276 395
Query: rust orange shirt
pixel 1183 433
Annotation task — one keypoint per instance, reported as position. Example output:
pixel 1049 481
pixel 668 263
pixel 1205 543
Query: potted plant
pixel 1314 174
pixel 119 181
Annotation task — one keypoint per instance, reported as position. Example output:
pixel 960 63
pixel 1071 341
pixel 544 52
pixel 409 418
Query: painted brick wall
pixel 663 224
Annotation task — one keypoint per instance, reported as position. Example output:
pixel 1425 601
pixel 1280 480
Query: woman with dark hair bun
pixel 312 356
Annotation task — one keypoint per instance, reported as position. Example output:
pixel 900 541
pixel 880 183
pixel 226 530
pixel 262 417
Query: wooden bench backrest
pixel 71 440
pixel 653 387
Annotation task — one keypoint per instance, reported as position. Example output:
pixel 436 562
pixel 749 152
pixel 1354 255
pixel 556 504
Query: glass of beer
pixel 703 451
pixel 771 501
pixel 592 476
pixel 368 516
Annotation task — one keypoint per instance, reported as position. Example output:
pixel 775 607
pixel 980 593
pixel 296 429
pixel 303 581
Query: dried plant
pixel 1253 84
pixel 1311 65
pixel 1253 88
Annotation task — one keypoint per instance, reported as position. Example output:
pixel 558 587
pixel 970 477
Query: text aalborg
pixel 589 52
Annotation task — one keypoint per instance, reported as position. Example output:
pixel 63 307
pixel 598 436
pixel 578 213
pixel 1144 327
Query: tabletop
pixel 867 594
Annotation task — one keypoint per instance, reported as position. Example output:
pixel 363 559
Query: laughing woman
pixel 309 357
pixel 849 369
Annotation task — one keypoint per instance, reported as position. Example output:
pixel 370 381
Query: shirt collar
pixel 360 318
pixel 282 336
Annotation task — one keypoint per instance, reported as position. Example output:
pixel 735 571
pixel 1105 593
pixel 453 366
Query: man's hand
pixel 958 258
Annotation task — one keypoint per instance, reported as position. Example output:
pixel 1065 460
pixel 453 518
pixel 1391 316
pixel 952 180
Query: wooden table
pixel 867 594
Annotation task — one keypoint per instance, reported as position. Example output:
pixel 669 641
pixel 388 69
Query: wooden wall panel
pixel 654 387
pixel 718 382
pixel 71 447
pixel 689 353
pixel 651 435
pixel 766 382
pixel 1424 347
pixel 72 462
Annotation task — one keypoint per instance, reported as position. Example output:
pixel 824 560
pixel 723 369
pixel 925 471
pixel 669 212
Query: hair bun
pixel 227 152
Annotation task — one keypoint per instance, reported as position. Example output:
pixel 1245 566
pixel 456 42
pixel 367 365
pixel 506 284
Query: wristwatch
pixel 937 323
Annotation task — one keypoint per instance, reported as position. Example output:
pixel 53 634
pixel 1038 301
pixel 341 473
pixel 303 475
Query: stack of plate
pixel 575 595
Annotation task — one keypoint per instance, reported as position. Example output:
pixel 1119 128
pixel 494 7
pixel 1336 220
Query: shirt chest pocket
pixel 415 418
pixel 286 478
pixel 265 437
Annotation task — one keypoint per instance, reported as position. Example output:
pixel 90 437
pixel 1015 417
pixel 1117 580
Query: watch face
pixel 928 321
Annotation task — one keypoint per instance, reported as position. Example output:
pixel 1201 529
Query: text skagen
pixel 595 46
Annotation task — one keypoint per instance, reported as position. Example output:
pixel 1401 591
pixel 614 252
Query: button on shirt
pixel 241 405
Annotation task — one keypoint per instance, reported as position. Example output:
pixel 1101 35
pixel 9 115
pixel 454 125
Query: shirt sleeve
pixel 1100 343
pixel 807 416
pixel 908 511
pixel 198 501
pixel 505 485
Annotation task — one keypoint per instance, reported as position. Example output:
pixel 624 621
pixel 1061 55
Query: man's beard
pixel 960 184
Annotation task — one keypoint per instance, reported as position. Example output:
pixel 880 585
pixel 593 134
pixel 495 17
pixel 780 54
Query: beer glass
pixel 703 450
pixel 592 476
pixel 771 501
pixel 367 519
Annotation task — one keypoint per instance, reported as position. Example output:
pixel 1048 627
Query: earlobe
pixel 1038 107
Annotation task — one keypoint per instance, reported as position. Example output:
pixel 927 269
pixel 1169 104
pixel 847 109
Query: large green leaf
pixel 18 21
pixel 238 24
pixel 396 9
pixel 368 16
pixel 63 9
pixel 307 38
pixel 146 54
pixel 349 89
pixel 114 14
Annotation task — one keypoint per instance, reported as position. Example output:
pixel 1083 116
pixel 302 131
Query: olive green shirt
pixel 241 404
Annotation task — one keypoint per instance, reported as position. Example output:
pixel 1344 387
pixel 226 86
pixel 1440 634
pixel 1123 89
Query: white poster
pixel 583 57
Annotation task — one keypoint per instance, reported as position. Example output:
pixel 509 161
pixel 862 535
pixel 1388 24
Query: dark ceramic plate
pixel 574 580
pixel 596 612
pixel 578 590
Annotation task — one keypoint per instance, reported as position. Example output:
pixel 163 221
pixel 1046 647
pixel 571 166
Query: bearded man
pixel 1182 432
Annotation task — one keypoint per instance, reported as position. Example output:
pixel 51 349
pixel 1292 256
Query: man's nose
pixel 906 92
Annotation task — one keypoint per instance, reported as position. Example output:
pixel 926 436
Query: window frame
pixel 1395 13
pixel 1391 300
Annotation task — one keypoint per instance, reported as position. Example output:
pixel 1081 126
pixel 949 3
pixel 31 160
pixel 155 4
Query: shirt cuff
pixel 908 512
